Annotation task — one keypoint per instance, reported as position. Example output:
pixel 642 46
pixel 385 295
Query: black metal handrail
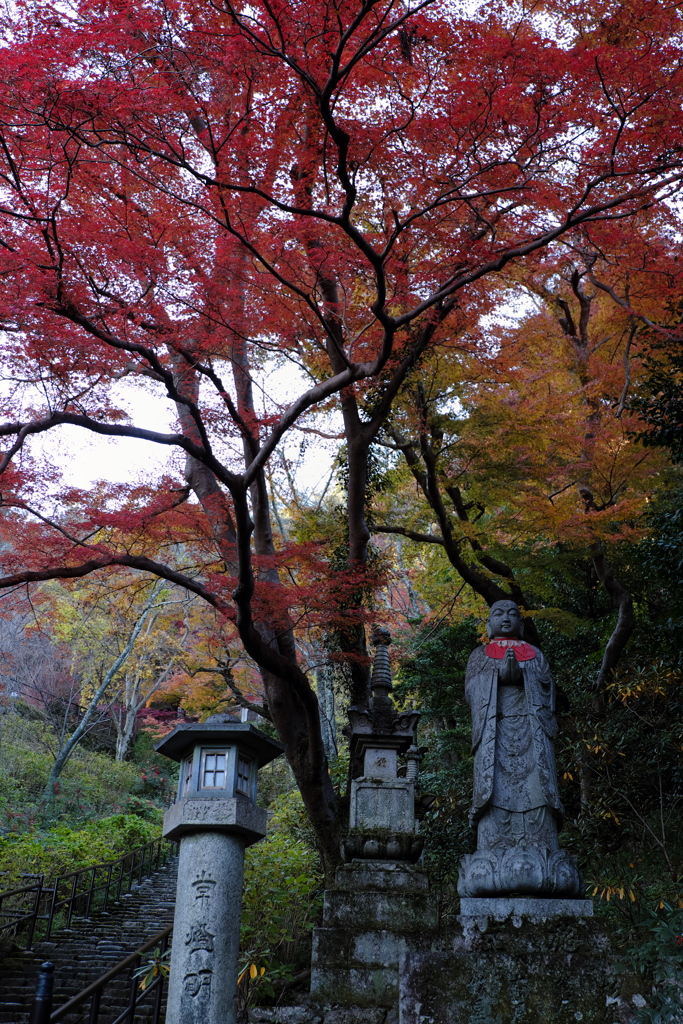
pixel 42 1012
pixel 77 893
pixel 95 989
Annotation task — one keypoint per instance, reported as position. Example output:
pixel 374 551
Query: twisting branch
pixel 627 370
pixel 104 561
pixel 225 671
pixel 674 335
pixel 402 531
pixel 23 430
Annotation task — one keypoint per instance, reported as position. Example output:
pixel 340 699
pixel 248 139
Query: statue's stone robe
pixel 512 736
pixel 516 805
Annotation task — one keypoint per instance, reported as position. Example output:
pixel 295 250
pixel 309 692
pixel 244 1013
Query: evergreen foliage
pixel 619 758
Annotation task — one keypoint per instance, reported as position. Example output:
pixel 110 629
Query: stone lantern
pixel 215 817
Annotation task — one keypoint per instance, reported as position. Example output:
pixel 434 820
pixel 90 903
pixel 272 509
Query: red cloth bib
pixel 497 648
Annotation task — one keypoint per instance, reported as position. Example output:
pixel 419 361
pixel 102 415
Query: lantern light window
pixel 214 774
pixel 243 775
pixel 187 776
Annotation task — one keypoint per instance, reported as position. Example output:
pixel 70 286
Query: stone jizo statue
pixel 516 807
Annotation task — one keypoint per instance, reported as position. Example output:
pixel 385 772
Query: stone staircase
pixel 88 949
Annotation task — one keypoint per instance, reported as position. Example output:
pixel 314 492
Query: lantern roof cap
pixel 219 730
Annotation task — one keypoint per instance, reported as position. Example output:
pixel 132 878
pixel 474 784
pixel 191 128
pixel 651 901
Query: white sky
pixel 85 458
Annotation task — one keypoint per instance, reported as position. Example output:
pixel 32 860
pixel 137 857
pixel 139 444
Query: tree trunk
pixel 291 701
pixel 625 624
pixel 69 745
pixel 124 733
pixel 324 677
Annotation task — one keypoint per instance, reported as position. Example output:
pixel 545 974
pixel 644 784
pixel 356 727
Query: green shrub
pixel 655 953
pixel 62 849
pixel 282 893
pixel 92 784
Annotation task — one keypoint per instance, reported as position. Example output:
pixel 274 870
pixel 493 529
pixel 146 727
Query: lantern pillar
pixel 203 980
pixel 215 818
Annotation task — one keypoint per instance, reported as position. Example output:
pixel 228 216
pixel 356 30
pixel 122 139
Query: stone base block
pixel 322 1015
pixel 515 971
pixel 380 911
pixel 400 912
pixel 499 908
pixel 358 968
pixel 379 876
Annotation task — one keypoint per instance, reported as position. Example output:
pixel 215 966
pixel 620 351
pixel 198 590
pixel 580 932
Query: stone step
pixel 89 948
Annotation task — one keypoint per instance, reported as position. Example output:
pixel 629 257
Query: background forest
pixel 392 293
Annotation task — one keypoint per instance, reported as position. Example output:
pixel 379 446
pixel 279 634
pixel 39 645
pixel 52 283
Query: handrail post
pixel 95 1006
pixel 53 901
pixel 120 881
pixel 133 997
pixel 159 994
pixel 93 873
pixel 108 886
pixel 42 1000
pixel 74 886
pixel 36 908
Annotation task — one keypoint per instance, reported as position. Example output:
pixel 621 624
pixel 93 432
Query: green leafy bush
pixel 282 894
pixel 91 786
pixel 656 954
pixel 62 849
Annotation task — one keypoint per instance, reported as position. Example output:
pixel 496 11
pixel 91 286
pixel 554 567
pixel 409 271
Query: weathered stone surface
pixel 234 814
pixel 533 870
pixel 380 876
pixel 401 911
pixel 499 908
pixel 285 1015
pixel 323 1015
pixel 361 970
pixel 380 763
pixel 382 803
pixel 202 982
pixel 381 844
pixel 518 971
pixel 380 911
pixel 358 1015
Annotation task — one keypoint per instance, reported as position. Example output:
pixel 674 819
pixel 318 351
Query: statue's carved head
pixel 505 620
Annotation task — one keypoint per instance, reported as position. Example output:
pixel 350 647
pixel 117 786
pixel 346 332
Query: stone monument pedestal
pixel 500 908
pixel 514 960
pixel 378 911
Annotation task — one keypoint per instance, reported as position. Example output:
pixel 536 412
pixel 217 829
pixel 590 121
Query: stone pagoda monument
pixel 380 906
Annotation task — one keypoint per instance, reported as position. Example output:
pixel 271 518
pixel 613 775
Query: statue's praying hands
pixel 510 674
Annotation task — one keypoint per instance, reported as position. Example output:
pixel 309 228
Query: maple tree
pixel 190 192
pixel 530 437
